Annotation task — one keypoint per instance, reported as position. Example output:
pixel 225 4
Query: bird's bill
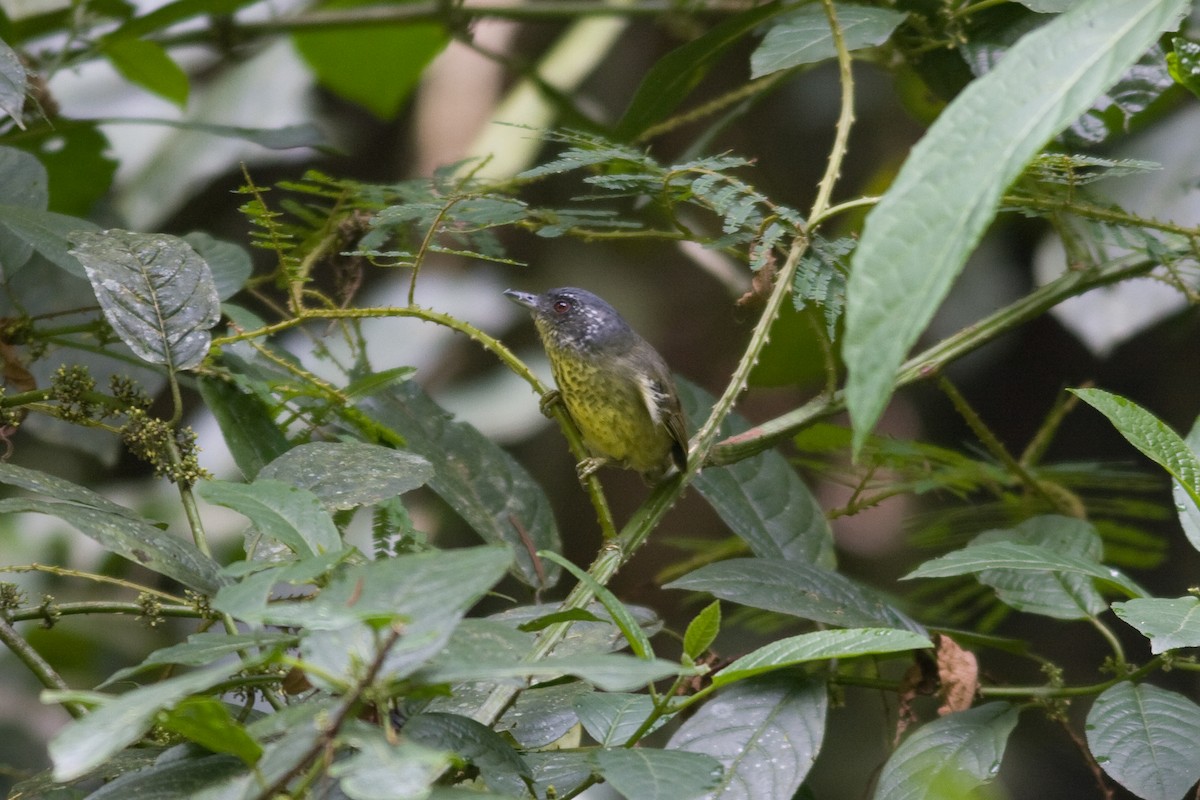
pixel 522 298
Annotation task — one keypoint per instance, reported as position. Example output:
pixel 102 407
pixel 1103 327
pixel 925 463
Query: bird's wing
pixel 662 401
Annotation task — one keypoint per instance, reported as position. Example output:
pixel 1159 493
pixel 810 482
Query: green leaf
pixel 1147 739
pixel 147 64
pixel 562 771
pixel 46 232
pixel 247 424
pixel 612 717
pixel 155 291
pixel 171 779
pixel 612 672
pixel 247 599
pixel 13 84
pixel 207 722
pixel 804 37
pixel 796 588
pixel 1062 596
pixel 382 770
pixel 1183 62
pixel 428 593
pixel 950 757
pixel 1009 555
pixel 769 752
pixel 130 537
pixel 819 646
pixel 76 156
pixel 376 67
pixel 1185 504
pixel 289 514
pixel 543 715
pixel 702 630
pixel 23 186
pixel 230 264
pixel 674 75
pixel 479 480
pixel 954 177
pixel 1168 624
pixel 650 774
pixel 1150 435
pixel 201 649
pixel 349 474
pixel 621 616
pixel 761 498
pixel 498 763
pixel 88 742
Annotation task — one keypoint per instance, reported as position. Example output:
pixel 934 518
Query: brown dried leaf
pixel 958 676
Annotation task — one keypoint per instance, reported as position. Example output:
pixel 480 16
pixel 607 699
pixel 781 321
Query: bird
pixel 614 384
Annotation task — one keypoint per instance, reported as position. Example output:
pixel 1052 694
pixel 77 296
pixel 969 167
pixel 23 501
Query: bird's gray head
pixel 574 318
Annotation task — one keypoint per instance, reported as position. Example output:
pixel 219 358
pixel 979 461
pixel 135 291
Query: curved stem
pixel 36 664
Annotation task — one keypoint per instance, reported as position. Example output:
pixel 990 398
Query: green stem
pixel 1047 692
pixel 931 361
pixel 1113 642
pixel 91 576
pixel 36 664
pixel 29 613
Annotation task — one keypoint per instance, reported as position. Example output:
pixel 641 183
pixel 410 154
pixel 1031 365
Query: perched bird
pixel 616 386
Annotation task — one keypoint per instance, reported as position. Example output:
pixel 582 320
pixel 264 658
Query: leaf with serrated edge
pixel 1167 623
pixel 950 756
pixel 649 774
pixel 768 753
pixel 916 240
pixel 155 291
pixel 819 646
pixel 1147 739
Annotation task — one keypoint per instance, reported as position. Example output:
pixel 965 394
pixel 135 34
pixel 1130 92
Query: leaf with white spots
pixel 156 292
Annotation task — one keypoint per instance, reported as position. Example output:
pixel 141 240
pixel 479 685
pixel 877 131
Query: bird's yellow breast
pixel 610 411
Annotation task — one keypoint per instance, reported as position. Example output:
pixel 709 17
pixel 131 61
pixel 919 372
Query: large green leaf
pixel 47 232
pixel 674 75
pixel 13 82
pixel 147 64
pixel 797 588
pixel 1054 594
pixel 155 291
pixel 819 646
pixel 482 482
pixel 1147 739
pixel 121 721
pixel 804 36
pixel 376 67
pixel 761 498
pixel 76 156
pixel 1028 557
pixel 612 717
pixel 650 774
pixel 1167 623
pixel 950 757
pixel 498 763
pixel 247 424
pixel 284 512
pixel 23 186
pixel 208 722
pixel 349 474
pixel 779 731
pixel 132 538
pixel 384 770
pixel 917 238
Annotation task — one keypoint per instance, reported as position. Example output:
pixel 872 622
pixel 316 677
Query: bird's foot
pixel 547 402
pixel 585 468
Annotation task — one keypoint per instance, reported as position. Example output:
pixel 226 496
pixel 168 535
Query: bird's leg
pixel 547 402
pixel 585 468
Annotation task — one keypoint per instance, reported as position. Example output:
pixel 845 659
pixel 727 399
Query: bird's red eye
pixel 561 306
